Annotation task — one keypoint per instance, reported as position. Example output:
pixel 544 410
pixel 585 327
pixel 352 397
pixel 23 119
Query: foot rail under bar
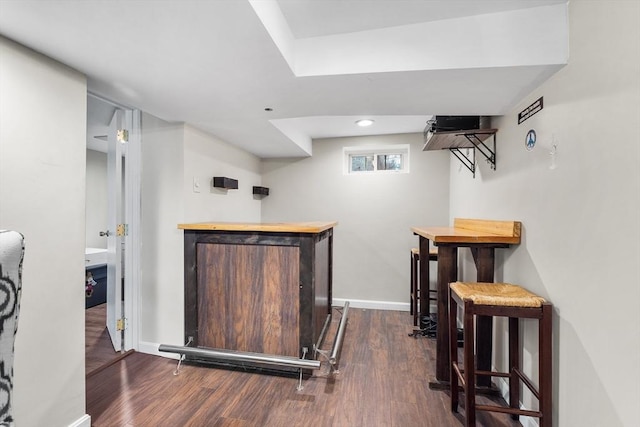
pixel 337 344
pixel 241 356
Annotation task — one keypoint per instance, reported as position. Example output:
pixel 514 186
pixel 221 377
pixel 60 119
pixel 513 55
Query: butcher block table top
pixel 473 231
pixel 276 227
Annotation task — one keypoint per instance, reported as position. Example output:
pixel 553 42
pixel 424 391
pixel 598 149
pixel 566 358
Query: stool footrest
pixel 532 388
pixel 459 373
pixel 508 410
pixel 486 373
pixel 493 374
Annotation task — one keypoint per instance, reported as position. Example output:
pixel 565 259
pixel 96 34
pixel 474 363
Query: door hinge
pixel 121 324
pixel 122 230
pixel 122 135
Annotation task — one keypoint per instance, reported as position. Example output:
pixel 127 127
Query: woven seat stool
pixel 514 302
pixel 419 302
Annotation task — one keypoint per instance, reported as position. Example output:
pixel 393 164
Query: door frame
pixel 115 236
pixel 132 217
pixel 133 162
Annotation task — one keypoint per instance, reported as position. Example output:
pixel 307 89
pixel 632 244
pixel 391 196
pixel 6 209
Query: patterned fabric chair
pixel 11 255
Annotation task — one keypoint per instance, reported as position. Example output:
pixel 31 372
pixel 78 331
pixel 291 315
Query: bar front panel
pixel 248 298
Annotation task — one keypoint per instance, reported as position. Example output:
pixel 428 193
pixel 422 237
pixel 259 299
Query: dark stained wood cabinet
pixel 261 288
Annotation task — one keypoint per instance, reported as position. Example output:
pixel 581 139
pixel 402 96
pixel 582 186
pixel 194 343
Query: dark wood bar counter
pixel 258 287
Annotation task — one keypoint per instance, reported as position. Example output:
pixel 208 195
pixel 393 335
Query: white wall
pixel 205 157
pixel 581 221
pixel 96 205
pixel 161 277
pixel 374 212
pixel 172 154
pixel 42 194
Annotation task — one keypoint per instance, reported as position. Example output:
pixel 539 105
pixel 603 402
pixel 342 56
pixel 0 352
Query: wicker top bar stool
pixel 514 302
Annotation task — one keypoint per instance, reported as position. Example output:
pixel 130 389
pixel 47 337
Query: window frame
pixel 399 149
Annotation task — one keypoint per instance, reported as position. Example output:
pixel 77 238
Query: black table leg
pixel 447 273
pixel 485 262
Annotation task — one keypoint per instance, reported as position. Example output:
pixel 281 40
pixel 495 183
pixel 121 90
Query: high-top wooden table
pixel 482 237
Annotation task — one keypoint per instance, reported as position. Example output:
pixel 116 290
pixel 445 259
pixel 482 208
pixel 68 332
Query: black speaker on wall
pixel 224 182
pixel 261 191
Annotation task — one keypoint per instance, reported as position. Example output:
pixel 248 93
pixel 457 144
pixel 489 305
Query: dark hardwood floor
pixel 98 348
pixel 383 381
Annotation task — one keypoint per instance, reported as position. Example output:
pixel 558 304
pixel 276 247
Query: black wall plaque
pixel 530 110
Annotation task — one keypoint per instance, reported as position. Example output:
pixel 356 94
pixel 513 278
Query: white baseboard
pixel 83 421
pixel 152 348
pixel 372 305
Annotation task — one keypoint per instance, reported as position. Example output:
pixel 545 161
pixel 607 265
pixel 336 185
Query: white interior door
pixel 114 238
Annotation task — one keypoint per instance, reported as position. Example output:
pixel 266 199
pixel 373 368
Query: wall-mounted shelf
pixel 455 141
pixel 224 182
pixel 260 191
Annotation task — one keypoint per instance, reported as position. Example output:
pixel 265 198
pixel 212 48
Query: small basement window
pixel 380 159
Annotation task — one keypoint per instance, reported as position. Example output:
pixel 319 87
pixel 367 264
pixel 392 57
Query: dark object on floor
pixel 429 327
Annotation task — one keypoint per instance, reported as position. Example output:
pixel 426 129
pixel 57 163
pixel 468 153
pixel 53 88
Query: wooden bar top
pixel 473 231
pixel 277 227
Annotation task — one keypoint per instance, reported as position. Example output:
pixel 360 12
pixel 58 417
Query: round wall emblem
pixel 530 140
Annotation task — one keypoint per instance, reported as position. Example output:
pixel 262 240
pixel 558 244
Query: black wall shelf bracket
pixel 477 140
pixel 488 153
pixel 468 162
pixel 470 139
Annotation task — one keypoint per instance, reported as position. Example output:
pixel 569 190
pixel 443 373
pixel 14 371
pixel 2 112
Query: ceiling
pixel 318 65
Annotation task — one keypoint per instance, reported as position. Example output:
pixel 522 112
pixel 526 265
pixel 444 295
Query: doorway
pixel 112 218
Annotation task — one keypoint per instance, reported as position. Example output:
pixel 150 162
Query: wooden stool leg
pixel 412 290
pixel 469 366
pixel 453 352
pixel 422 275
pixel 418 292
pixel 545 343
pixel 514 363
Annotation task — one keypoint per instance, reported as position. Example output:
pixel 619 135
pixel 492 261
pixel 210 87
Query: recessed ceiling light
pixel 364 122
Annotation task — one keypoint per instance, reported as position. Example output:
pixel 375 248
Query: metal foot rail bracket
pixel 177 370
pixel 333 356
pixel 304 354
